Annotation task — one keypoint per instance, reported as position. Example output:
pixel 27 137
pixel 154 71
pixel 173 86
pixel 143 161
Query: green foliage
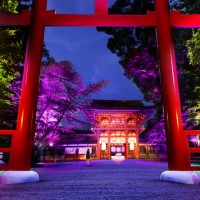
pixel 9 6
pixel 14 6
pixel 6 61
pixel 194 114
pixel 5 80
pixel 11 52
pixel 11 56
pixel 193 46
pixel 5 95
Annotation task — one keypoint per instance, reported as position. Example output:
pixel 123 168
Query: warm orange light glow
pixel 131 146
pixel 103 146
pixel 103 140
pixel 118 140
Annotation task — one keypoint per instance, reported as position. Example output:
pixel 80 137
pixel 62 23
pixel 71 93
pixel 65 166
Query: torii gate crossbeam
pixel 161 18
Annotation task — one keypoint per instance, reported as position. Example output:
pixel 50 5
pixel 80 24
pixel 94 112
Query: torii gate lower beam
pixel 178 153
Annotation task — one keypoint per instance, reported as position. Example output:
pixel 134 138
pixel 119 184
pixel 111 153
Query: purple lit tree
pixel 144 70
pixel 62 100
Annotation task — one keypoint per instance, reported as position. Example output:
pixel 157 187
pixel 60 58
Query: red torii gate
pixel 22 138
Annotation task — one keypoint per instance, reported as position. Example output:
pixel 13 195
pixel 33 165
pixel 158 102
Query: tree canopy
pixel 62 101
pixel 193 46
pixel 12 54
pixel 9 56
pixel 137 49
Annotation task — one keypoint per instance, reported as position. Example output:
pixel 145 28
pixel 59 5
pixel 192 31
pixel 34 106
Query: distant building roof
pixel 87 136
pixel 119 105
pixel 77 139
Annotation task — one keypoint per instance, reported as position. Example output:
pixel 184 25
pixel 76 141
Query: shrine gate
pixel 22 138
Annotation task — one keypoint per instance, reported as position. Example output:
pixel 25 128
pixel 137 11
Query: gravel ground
pixel 102 180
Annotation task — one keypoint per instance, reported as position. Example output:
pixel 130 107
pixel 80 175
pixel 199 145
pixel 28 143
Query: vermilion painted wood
pixel 4 168
pixel 20 158
pixel 5 150
pixel 100 7
pixel 7 132
pixel 100 20
pixel 178 151
pixel 177 20
pixel 178 158
pixel 195 168
pixel 193 150
pixel 9 19
pixel 191 132
pixel 184 20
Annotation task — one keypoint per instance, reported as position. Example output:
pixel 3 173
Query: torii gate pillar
pixel 22 142
pixel 176 143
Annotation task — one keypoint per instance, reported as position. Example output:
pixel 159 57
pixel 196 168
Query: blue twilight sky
pixel 87 50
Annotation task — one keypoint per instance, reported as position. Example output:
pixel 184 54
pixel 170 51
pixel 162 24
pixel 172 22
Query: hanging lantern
pixel 103 146
pixel 131 145
pixel 51 144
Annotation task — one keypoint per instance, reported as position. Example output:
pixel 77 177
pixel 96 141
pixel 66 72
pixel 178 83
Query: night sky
pixel 87 50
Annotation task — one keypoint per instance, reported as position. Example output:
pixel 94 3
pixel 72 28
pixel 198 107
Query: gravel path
pixel 102 180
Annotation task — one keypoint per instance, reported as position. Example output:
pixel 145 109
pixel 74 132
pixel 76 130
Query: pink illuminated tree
pixel 62 100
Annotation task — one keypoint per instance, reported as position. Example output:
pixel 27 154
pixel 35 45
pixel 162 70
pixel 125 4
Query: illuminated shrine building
pixel 115 133
pixel 118 124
